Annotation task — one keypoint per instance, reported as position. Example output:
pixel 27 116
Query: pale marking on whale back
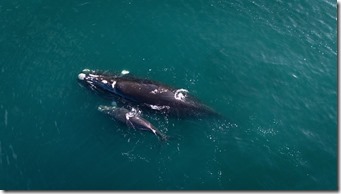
pixel 180 94
pixel 104 81
pixel 155 107
pixel 154 91
pixel 113 84
pixel 159 91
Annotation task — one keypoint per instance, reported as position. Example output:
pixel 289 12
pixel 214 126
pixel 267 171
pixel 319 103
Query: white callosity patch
pixel 159 91
pixel 163 90
pixel 104 81
pixel 129 115
pixel 135 112
pixel 113 84
pixel 100 108
pixel 180 94
pixel 154 91
pixel 81 76
pixel 104 108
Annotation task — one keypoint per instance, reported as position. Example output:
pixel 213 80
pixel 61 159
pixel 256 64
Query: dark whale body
pixel 131 119
pixel 144 93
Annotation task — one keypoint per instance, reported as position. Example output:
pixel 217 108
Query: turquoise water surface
pixel 269 67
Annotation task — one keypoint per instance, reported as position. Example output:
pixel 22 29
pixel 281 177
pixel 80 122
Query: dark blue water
pixel 270 67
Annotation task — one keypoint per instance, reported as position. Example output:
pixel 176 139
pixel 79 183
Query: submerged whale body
pixel 144 93
pixel 132 119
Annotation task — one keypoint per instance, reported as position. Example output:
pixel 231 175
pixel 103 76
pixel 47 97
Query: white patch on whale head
pixel 104 81
pixel 180 94
pixel 81 76
pixel 154 91
pixel 113 84
pixel 129 115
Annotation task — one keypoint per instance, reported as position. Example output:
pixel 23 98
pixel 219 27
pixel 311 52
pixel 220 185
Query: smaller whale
pixel 132 119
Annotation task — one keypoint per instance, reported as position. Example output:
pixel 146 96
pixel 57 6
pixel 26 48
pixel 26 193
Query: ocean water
pixel 269 67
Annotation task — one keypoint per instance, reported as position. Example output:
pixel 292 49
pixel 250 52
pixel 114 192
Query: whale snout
pixel 81 76
pixel 87 74
pixel 84 74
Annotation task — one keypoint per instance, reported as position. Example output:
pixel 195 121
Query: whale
pixel 132 119
pixel 144 93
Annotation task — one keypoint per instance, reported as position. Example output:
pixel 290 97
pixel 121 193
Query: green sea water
pixel 269 67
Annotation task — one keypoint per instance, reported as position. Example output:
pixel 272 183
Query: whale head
pixel 98 81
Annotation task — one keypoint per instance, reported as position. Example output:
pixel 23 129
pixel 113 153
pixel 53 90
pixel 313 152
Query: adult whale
pixel 144 93
pixel 132 119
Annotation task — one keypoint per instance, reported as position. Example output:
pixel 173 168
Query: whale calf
pixel 144 93
pixel 132 119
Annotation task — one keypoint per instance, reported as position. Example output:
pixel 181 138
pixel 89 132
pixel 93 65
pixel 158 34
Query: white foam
pixel 81 76
pixel 103 108
pixel 123 72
